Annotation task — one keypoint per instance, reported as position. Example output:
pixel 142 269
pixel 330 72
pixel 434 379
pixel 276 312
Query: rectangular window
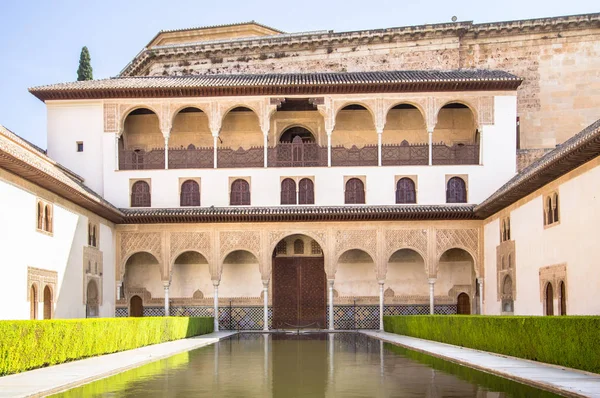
pixel 79 146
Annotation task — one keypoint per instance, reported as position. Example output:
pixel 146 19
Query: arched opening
pixel 191 142
pixel 40 216
pixel 456 190
pixel 33 302
pixel 48 218
pixel 306 192
pixel 355 278
pixel 136 307
pixel 288 192
pixel 354 139
pixel 549 211
pixel 48 305
pixel 241 140
pixel 240 193
pixel 240 276
pixel 141 146
pixel 354 192
pixel 549 299
pixel 290 134
pixel 190 193
pixel 92 300
pixel 456 274
pixel 463 304
pixel 455 135
pixel 406 274
pixel 140 194
pixel 563 298
pixel 555 208
pixel 405 191
pixel 299 283
pixel 143 274
pixel 191 273
pixel 405 139
pixel 507 295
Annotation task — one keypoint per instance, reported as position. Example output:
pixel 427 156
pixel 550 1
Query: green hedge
pixel 28 345
pixel 566 341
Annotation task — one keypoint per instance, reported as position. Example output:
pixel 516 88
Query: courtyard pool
pixel 303 365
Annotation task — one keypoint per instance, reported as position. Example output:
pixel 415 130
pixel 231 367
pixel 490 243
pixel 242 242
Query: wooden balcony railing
pixel 456 154
pixel 297 154
pixel 405 154
pixel 354 156
pixel 229 158
pixel 191 158
pixel 142 160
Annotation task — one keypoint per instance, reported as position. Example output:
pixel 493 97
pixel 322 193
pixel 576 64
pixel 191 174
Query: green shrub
pixel 565 341
pixel 28 345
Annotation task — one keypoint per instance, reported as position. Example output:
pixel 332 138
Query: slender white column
pixel 379 140
pixel 480 146
pixel 329 148
pixel 166 152
pixel 480 282
pixel 330 341
pixel 216 305
pixel 265 144
pixel 330 283
pixel 381 305
pixel 431 295
pixel 166 285
pixel 119 284
pixel 116 151
pixel 266 305
pixel 430 147
pixel 215 138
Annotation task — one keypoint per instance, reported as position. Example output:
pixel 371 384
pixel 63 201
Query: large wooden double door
pixel 299 292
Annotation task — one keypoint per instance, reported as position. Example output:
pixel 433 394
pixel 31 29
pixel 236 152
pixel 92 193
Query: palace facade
pixel 314 180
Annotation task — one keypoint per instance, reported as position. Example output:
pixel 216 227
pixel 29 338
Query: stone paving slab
pixel 45 381
pixel 557 379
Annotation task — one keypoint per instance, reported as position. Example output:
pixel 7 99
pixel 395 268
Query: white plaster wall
pixel 407 278
pixel 72 121
pixel 499 165
pixel 240 280
pixel 454 273
pixel 187 278
pixel 107 245
pixel 574 242
pixel 139 273
pixel 491 235
pixel 356 279
pixel 22 247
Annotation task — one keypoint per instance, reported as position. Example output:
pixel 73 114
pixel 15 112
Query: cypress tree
pixel 85 67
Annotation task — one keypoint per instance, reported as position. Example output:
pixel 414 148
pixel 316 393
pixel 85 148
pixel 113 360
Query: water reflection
pixel 315 365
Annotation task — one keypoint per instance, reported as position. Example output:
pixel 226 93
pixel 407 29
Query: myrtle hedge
pixel 570 341
pixel 28 345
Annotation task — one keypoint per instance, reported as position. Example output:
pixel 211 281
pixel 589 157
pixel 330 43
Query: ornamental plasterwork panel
pixel 92 270
pixel 276 236
pixel 553 274
pixel 415 239
pixel 41 278
pixel 111 118
pixel 190 241
pixel 467 239
pixel 133 242
pixel 363 239
pixel 485 110
pixel 239 240
pixel 505 266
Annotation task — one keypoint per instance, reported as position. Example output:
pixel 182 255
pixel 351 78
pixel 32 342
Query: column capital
pixel 432 280
pixel 330 282
pixel 166 133
pixel 381 282
pixel 265 283
pixel 166 284
pixel 215 283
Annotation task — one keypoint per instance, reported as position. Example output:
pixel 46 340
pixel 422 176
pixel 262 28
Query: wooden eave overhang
pixel 33 174
pixel 576 151
pixel 298 214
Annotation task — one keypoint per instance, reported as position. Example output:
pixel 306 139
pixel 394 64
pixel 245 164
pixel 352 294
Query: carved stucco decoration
pixel 276 236
pixel 505 266
pixel 230 241
pixel 414 239
pixel 190 241
pixel 93 269
pixel 41 278
pixel 135 242
pixel 485 110
pixel 363 239
pixel 466 239
pixel 553 274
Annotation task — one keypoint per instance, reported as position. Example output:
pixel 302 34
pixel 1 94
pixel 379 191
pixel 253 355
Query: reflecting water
pixel 309 365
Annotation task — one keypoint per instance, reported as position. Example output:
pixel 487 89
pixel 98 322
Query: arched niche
pixel 190 127
pixel 142 270
pixel 355 274
pixel 354 126
pixel 456 124
pixel 240 275
pixel 92 307
pixel 289 134
pixel 456 272
pixel 141 130
pixel 405 122
pixel 240 129
pixel 190 272
pixel 406 274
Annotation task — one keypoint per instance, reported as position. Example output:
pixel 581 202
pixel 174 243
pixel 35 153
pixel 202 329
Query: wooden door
pixel 463 305
pixel 299 292
pixel 136 308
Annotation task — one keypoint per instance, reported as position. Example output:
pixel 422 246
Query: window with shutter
pixel 240 193
pixel 306 192
pixel 190 193
pixel 288 192
pixel 355 191
pixel 456 191
pixel 405 191
pixel 140 194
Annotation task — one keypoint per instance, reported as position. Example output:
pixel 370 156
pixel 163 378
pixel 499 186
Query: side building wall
pixel 565 251
pixel 61 259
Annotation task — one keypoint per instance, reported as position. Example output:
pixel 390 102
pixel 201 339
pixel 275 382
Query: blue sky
pixel 40 41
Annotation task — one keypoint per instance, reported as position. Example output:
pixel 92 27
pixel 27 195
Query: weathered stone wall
pixel 527 156
pixel 559 65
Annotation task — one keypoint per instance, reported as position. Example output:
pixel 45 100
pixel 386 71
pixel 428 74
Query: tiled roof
pixel 30 162
pixel 274 83
pixel 228 25
pixel 297 213
pixel 577 150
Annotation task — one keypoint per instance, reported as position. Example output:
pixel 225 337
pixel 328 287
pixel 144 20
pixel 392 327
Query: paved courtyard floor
pixel 564 381
pixel 44 381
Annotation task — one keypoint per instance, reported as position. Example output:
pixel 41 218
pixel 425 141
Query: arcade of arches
pixel 319 275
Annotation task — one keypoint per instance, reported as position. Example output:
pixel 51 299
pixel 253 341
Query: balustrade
pixel 405 154
pixel 354 156
pixel 456 154
pixel 229 158
pixel 297 154
pixel 191 158
pixel 139 159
